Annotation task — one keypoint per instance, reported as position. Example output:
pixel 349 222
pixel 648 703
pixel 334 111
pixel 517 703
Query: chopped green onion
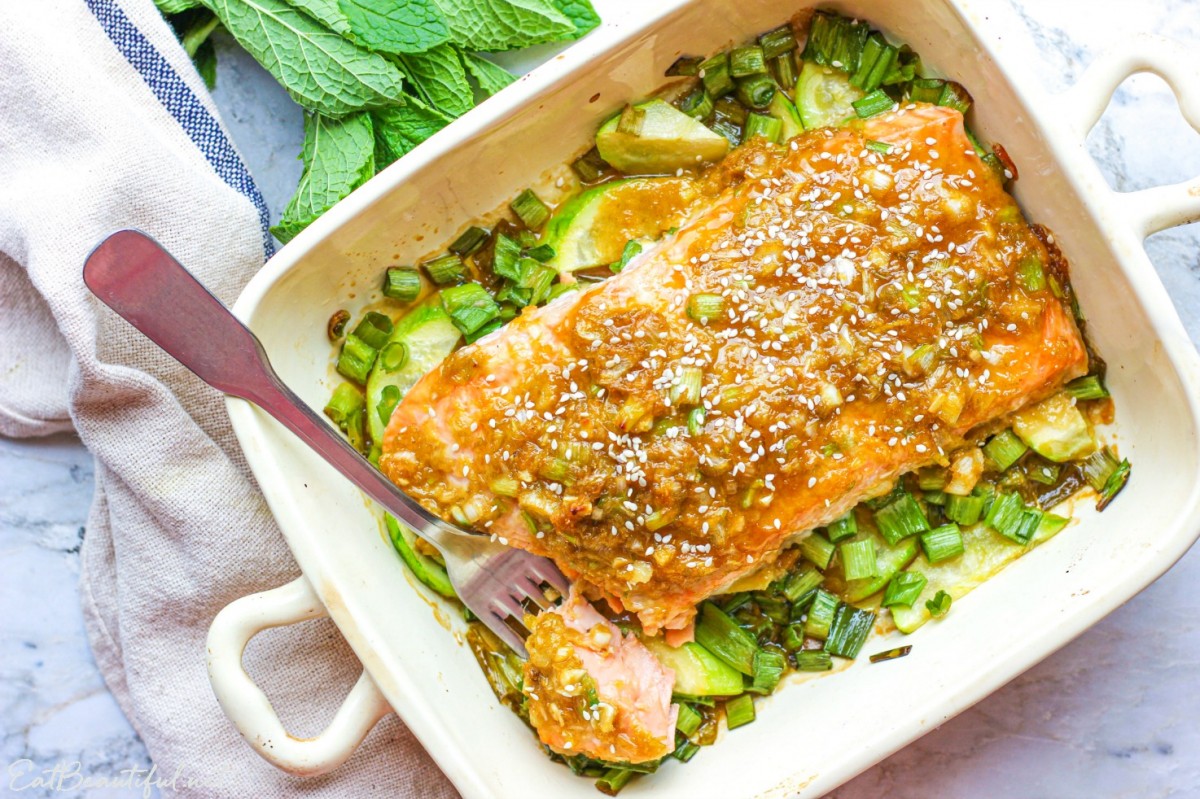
pixel 938 498
pixel 739 711
pixel 631 120
pixel 537 278
pixel 878 58
pixel 964 510
pixel 777 41
pixel 900 518
pixel 1116 481
pixel 393 356
pixel 660 519
pixel 490 327
pixel 881 147
pixel 374 329
pixel 695 421
pixel 956 97
pixel 714 72
pixel 942 543
pixel 685 66
pixel 389 398
pixel 1088 387
pixel 813 660
pixel 470 241
pixel 356 359
pixel 505 486
pixel 745 61
pixel 445 270
pixel 932 478
pixel 1009 517
pixel 704 308
pixel 858 559
pixel 817 549
pixel 1044 473
pixel 798 583
pixel 873 104
pixel 769 665
pixel 849 631
pixel 470 306
pixel 559 289
pixel 555 470
pixel 697 105
pixel 685 751
pixel 769 128
pixel 628 253
pixel 940 604
pixel 904 589
pixel 614 779
pixel 344 403
pixel 891 654
pixel 401 283
pixel 926 90
pixel 792 637
pixel 542 253
pixel 785 71
pixel 1031 274
pixel 1005 449
pixel 820 614
pixel 835 41
pixel 756 91
pixel 506 258
pixel 688 720
pixel 530 209
pixel 730 130
pixel 720 634
pixel 590 166
pixel 845 527
pixel 686 390
pixel 1098 468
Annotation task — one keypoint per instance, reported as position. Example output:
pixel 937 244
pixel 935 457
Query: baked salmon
pixel 842 310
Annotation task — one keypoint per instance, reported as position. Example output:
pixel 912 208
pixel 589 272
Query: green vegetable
pixel 900 518
pixel 940 605
pixel 401 283
pixel 715 74
pixel 470 306
pixel 1055 429
pixel 698 672
pixel 720 634
pixel 813 660
pixel 778 41
pixel 789 118
pixel 745 61
pixel 858 559
pixel 762 125
pixel 425 569
pixel 497 25
pixel 704 308
pixel 386 26
pixel 848 631
pixel 445 270
pixel 631 250
pixel 942 543
pixel 490 77
pixel 836 41
pixel 374 328
pixel 818 549
pixel 824 96
pixel 530 209
pixel 1113 485
pixel 739 711
pixel 903 589
pixel 964 510
pixel 769 665
pixel 843 528
pixel 820 614
pixel 873 104
pixel 401 128
pixel 1005 449
pixel 356 359
pixel 440 78
pixel 756 91
pixel 346 408
pixel 1089 387
pixel 889 560
pixel 668 140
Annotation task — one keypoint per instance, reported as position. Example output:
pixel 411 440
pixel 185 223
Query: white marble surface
pixel 1114 714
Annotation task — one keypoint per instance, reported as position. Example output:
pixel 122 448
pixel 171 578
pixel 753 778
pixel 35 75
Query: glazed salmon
pixel 844 309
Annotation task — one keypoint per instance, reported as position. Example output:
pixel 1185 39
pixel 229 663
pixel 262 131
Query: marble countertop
pixel 1113 714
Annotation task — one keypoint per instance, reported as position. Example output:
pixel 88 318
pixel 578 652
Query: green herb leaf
pixel 581 14
pixel 408 26
pixel 205 60
pixel 440 77
pixel 327 12
pixel 339 156
pixel 321 70
pixel 495 25
pixel 175 6
pixel 490 77
pixel 401 128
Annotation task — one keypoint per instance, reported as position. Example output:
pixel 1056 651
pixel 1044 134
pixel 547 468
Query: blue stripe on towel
pixel 184 105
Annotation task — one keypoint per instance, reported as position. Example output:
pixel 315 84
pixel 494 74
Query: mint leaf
pixel 327 12
pixel 440 78
pixel 396 26
pixel 175 6
pixel 401 128
pixel 494 25
pixel 321 70
pixel 339 156
pixel 490 77
pixel 581 14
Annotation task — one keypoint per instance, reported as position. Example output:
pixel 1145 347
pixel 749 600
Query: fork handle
pixel 132 274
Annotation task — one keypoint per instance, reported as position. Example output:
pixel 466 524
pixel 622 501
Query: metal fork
pixel 132 274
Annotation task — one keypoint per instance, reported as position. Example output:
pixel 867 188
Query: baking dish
pixel 801 743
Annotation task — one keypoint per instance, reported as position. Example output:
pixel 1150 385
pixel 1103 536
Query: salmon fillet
pixel 876 307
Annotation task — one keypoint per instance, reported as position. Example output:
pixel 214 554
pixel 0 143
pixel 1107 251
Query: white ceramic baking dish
pixel 813 735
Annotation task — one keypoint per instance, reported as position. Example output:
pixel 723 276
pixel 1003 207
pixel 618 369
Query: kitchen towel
pixel 104 124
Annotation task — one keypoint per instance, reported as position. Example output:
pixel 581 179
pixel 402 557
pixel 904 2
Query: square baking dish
pixel 817 733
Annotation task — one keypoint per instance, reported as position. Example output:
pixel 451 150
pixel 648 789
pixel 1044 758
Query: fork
pixel 132 274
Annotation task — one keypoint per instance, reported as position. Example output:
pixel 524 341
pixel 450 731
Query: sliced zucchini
pixel 426 569
pixel 698 672
pixel 782 109
pixel 825 96
pixel 986 553
pixel 592 228
pixel 430 336
pixel 666 140
pixel 1055 429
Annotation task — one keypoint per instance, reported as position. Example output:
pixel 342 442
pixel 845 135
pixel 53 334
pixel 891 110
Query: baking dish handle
pixel 1150 210
pixel 248 707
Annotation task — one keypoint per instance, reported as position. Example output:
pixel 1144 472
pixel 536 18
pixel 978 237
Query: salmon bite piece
pixel 844 309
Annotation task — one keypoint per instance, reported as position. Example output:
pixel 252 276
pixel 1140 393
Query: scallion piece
pixel 469 306
pixel 792 637
pixel 685 751
pixel 470 241
pixel 769 665
pixel 739 711
pixel 631 120
pixel 720 634
pixel 820 614
pixel 881 147
pixel 745 61
pixel 878 58
pixel 614 779
pixel 530 209
pixel 730 130
pixel 344 403
pixel 849 631
pixel 777 41
pixel 843 528
pixel 1089 387
pixel 490 327
pixel 904 589
pixel 590 166
pixel 685 66
pixel 542 253
pixel 704 307
pixel 768 127
pixel 964 510
pixel 356 359
pixel 1005 449
pixel 873 104
pixel 631 250
pixel 891 654
pixel 714 72
pixel 926 90
pixel 374 329
pixel 956 97
pixel 1009 517
pixel 401 283
pixel 1098 468
pixel 505 486
pixel 697 105
pixel 858 559
pixel 537 278
pixel 695 421
pixel 798 583
pixel 1031 274
pixel 935 498
pixel 818 550
pixel 942 543
pixel 686 390
pixel 1045 473
pixel 688 720
pixel 389 398
pixel 940 604
pixel 445 270
pixel 393 356
pixel 900 518
pixel 1116 481
pixel 506 257
pixel 785 71
pixel 756 91
pixel 813 660
pixel 836 41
